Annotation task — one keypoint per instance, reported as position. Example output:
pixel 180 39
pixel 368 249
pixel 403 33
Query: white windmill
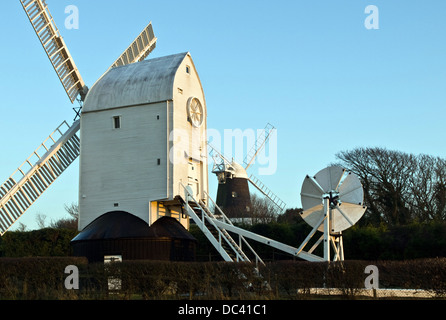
pixel 233 195
pixel 62 147
pixel 141 137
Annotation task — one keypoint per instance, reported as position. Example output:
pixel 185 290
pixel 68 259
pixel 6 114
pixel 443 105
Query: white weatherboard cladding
pixel 119 167
pixel 189 141
pixel 156 149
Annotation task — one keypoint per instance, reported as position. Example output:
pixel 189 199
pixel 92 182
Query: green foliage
pixel 47 242
pixel 413 241
pixel 364 243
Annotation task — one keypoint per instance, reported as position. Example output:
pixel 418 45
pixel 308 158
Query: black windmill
pixel 233 195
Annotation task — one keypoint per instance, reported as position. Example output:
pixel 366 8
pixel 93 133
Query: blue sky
pixel 310 68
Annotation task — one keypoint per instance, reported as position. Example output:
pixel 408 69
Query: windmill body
pixel 138 142
pixel 140 146
pixel 233 195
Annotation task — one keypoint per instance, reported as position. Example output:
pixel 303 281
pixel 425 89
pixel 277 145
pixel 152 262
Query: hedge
pixel 36 278
pixel 43 242
pixel 43 278
pixel 413 241
pixel 408 242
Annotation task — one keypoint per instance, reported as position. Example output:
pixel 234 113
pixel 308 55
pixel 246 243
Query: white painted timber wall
pixel 156 149
pixel 119 167
pixel 190 152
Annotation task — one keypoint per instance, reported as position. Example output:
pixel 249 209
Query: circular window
pixel 195 112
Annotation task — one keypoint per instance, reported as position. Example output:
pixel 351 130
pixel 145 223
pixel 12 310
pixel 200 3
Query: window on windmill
pixel 117 122
pixel 187 69
pixel 234 194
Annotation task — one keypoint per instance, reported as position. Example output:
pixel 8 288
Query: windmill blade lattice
pixel 259 144
pixel 54 46
pixel 140 48
pixel 278 203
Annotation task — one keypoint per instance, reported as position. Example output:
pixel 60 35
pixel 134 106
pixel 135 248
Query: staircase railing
pixel 242 240
pixel 224 225
pixel 205 220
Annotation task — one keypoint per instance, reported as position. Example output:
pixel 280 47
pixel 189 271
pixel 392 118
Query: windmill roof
pixel 138 83
pixel 120 224
pixel 240 172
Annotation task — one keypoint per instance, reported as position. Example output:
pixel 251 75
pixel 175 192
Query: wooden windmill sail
pixel 62 147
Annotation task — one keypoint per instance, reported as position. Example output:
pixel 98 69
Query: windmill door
pixel 194 177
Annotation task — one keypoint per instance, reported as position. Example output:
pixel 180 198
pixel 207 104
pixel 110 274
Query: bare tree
pixel 21 227
pixel 262 210
pixel 428 189
pixel 68 223
pixel 40 219
pixel 399 187
pixel 73 210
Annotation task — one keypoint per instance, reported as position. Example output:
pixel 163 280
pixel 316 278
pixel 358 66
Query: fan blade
pixel 313 215
pixel 311 194
pixel 141 47
pixel 345 215
pixel 350 191
pixel 329 178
